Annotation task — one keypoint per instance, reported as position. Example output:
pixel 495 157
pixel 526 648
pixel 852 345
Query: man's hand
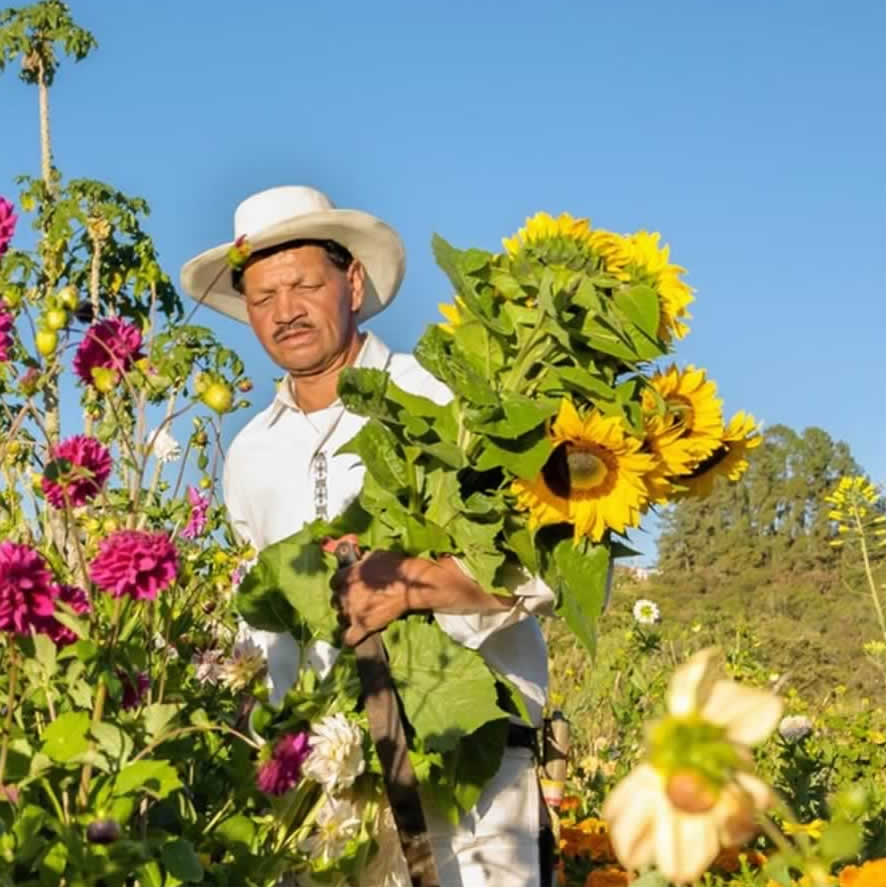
pixel 383 586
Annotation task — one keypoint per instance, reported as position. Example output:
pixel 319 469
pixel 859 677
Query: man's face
pixel 302 307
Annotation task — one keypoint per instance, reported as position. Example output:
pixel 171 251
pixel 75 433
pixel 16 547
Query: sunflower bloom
pixel 652 261
pixel 695 794
pixel 728 460
pixel 594 478
pixel 691 427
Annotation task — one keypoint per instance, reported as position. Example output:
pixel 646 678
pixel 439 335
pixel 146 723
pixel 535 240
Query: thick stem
pixel 45 146
pixel 94 267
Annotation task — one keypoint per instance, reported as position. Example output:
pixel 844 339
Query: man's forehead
pixel 288 260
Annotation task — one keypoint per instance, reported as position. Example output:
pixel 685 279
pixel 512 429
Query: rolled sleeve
pixel 532 597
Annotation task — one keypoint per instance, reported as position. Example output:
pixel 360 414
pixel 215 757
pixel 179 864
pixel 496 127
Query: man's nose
pixel 288 307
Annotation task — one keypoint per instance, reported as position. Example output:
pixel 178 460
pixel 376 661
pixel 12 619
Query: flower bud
pixel 104 378
pixel 68 297
pixel 245 385
pixel 691 792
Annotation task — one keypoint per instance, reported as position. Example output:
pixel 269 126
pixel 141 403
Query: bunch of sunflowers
pixel 562 431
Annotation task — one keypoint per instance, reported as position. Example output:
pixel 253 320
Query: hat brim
pixel 207 277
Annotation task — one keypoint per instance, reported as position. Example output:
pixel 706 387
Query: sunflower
pixel 453 313
pixel 729 460
pixel 571 242
pixel 652 260
pixel 691 427
pixel 594 478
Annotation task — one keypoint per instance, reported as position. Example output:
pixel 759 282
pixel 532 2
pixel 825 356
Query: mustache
pixel 290 328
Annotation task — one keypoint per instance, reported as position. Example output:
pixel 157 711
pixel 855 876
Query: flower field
pixel 728 721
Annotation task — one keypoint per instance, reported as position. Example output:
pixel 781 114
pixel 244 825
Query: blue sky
pixel 751 135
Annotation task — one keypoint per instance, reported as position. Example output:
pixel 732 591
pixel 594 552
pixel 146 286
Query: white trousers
pixel 497 842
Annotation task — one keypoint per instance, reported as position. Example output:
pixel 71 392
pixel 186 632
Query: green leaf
pixel 442 488
pixel 181 861
pixel 447 690
pixel 53 864
pixel 440 356
pixel 156 776
pixel 515 416
pixel 78 626
pixel 237 833
pixel 65 738
pixel 380 453
pixel 45 653
pixel 641 306
pixel 113 741
pixel 477 544
pixel 578 379
pixel 580 583
pixel 294 571
pixel 157 716
pixel 476 761
pixel 260 600
pixel 524 457
pixel 150 875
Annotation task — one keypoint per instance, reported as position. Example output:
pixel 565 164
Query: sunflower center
pixel 679 412
pixel 576 468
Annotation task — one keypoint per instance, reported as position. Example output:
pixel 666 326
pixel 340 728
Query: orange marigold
pixel 865 876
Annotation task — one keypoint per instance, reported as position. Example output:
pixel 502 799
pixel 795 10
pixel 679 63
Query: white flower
pixel 164 446
pixel 695 793
pixel 337 753
pixel 246 661
pixel 336 822
pixel 387 868
pixel 208 666
pixel 793 728
pixel 162 646
pixel 646 612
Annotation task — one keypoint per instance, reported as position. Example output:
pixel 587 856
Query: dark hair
pixel 336 253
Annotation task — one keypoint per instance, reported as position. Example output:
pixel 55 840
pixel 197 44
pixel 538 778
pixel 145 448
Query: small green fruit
pixel 46 342
pixel 56 318
pixel 218 396
pixel 68 297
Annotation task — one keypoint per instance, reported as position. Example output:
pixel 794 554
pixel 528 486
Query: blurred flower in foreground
pixel 695 793
pixel 164 446
pixel 7 224
pixel 646 612
pixel 793 728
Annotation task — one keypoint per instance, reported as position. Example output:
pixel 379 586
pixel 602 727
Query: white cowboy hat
pixel 292 212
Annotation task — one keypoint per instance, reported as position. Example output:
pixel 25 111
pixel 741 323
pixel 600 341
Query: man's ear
pixel 356 277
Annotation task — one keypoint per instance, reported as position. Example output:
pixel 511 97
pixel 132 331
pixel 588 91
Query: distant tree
pixel 775 516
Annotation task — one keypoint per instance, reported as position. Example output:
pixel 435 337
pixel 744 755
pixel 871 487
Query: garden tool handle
pixel 387 731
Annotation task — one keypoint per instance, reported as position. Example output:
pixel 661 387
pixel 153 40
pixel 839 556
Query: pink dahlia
pixel 78 601
pixel 197 522
pixel 26 588
pixel 7 224
pixel 6 322
pixel 112 343
pixel 283 770
pixel 79 482
pixel 135 563
pixel 134 688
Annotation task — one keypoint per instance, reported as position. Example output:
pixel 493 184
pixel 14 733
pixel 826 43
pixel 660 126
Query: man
pixel 313 275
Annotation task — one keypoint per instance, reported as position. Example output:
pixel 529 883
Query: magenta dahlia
pixel 283 770
pixel 78 601
pixel 79 482
pixel 197 521
pixel 135 563
pixel 6 322
pixel 7 224
pixel 112 343
pixel 26 588
pixel 134 688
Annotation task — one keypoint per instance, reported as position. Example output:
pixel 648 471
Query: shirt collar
pixel 374 354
